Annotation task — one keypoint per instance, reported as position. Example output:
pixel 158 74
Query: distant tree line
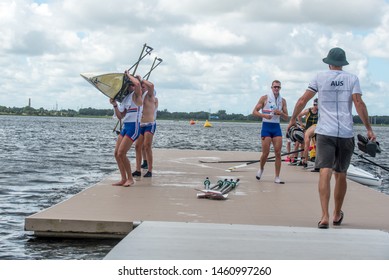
pixel 221 115
pixel 30 111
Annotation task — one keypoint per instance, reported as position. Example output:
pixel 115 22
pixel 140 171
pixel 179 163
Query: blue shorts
pixel 148 127
pixel 131 130
pixel 271 130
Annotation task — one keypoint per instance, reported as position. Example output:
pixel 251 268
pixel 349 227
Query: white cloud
pixel 217 54
pixel 205 34
pixel 377 42
pixel 41 10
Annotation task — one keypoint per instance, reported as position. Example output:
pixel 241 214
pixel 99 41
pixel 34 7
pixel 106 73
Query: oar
pixel 233 161
pixel 226 161
pixel 372 162
pixel 251 162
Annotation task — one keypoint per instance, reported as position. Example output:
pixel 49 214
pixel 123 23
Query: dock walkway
pixel 169 197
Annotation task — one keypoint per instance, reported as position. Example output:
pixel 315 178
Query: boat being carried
pixel 113 85
pixel 116 85
pixel 363 177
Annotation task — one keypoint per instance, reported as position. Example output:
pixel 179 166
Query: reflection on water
pixel 45 160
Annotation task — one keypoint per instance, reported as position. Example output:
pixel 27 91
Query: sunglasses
pixel 277 87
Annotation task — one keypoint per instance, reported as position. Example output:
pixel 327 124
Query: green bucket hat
pixel 336 57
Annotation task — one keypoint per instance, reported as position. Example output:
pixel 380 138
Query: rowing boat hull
pixel 113 85
pixel 363 177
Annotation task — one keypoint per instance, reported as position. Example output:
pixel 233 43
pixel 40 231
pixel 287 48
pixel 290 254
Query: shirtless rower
pixel 147 129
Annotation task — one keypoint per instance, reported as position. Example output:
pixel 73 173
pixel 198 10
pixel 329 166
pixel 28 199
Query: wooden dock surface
pixel 106 211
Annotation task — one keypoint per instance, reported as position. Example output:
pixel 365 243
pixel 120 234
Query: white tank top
pixel 272 104
pixel 134 112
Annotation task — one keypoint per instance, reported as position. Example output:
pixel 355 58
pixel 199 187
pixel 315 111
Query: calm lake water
pixel 45 160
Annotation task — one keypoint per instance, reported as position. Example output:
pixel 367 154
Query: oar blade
pixel 236 166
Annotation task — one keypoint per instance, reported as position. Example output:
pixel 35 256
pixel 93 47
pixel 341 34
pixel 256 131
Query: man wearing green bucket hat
pixel 337 90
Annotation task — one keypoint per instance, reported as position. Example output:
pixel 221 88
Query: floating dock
pixel 167 203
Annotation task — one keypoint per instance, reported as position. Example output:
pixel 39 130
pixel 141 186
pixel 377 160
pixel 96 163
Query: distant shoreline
pixel 164 119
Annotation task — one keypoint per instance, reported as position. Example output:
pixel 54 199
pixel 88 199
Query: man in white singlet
pixel 130 110
pixel 337 90
pixel 273 107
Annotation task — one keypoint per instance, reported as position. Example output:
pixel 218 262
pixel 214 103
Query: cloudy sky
pixel 217 55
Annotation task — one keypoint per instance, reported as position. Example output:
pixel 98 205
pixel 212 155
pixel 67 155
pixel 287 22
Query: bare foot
pixel 120 183
pixel 129 183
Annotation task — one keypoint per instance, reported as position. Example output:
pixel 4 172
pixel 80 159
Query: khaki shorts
pixel 334 152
